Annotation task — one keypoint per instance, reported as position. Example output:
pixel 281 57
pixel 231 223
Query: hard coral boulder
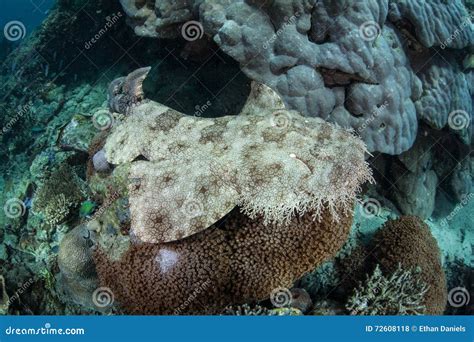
pixel 435 22
pixel 415 181
pixel 408 242
pixel 78 278
pixel 447 97
pixel 157 19
pixel 242 261
pixel 188 172
pixel 339 61
pixel 336 61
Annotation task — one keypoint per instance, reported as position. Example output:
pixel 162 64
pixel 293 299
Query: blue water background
pixel 30 12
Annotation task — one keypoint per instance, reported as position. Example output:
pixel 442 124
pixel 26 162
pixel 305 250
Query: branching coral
pixel 188 172
pixel 401 293
pixel 242 262
pixel 408 241
pixel 58 196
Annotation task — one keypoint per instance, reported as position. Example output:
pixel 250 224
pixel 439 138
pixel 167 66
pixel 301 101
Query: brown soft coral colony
pixel 240 262
pixel 408 241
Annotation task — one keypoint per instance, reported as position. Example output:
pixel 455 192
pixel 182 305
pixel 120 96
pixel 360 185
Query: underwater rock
pixel 187 172
pixel 461 180
pixel 239 263
pixel 125 92
pixel 100 162
pixel 301 300
pixel 210 88
pixel 408 242
pixel 77 134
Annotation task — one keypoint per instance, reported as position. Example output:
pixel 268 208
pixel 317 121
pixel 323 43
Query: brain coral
pixel 240 262
pixel 188 172
pixel 408 241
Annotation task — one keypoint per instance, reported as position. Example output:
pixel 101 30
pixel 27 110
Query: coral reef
pixel 58 196
pixel 435 22
pixel 178 192
pixel 400 293
pixel 242 262
pixel 447 97
pixel 158 19
pixel 4 298
pixel 408 241
pixel 416 181
pixel 77 275
pixel 246 310
pixel 280 45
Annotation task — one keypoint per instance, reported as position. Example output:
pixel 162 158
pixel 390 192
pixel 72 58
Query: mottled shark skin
pixel 188 172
